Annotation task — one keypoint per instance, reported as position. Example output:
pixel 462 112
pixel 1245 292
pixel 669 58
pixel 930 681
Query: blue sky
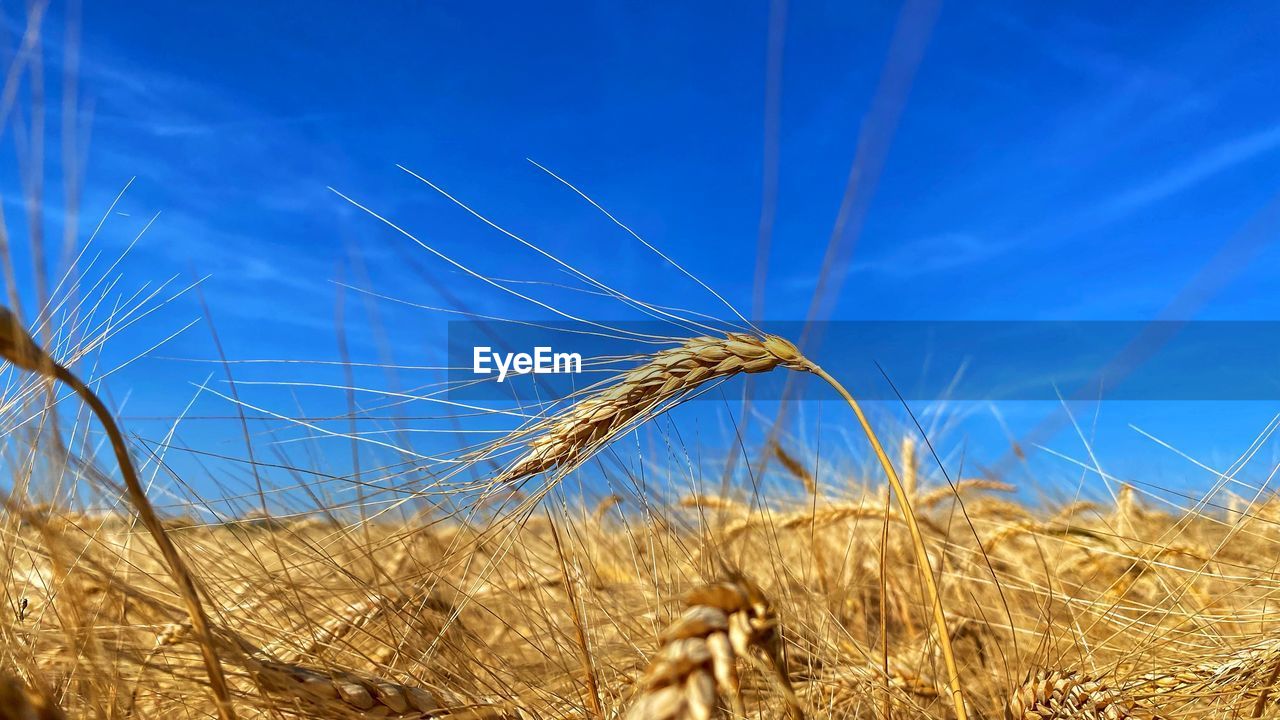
pixel 1039 161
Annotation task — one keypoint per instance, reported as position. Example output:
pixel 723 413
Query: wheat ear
pixel 1064 695
pixel 1070 695
pixel 19 348
pixel 567 439
pixel 334 692
pixel 805 518
pixel 1248 669
pixel 563 441
pixel 696 668
pixel 342 690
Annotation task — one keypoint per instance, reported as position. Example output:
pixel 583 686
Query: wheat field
pixel 883 591
pixel 623 611
pixel 506 582
pixel 499 583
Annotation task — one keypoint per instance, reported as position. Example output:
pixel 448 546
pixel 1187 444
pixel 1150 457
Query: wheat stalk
pixel 19 348
pixel 696 667
pixel 793 465
pixel 566 439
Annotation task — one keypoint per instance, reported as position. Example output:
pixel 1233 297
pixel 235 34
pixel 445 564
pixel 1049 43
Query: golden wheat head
pixel 18 347
pixel 568 438
pixel 1064 695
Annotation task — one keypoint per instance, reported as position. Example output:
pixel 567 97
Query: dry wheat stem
pixel 580 631
pixel 917 540
pixel 19 348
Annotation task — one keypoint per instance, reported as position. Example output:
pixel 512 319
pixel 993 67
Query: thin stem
pixel 1261 705
pixel 150 520
pixel 884 609
pixel 917 540
pixel 584 650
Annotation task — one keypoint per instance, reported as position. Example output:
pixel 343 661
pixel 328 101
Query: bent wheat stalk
pixel 19 348
pixel 569 438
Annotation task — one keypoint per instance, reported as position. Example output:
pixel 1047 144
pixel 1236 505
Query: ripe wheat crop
pixel 879 589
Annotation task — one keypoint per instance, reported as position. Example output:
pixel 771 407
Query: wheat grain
pixel 1064 695
pixel 565 440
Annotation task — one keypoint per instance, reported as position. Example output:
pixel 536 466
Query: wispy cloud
pixel 1217 160
pixel 917 258
pixel 1073 44
pixel 929 255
